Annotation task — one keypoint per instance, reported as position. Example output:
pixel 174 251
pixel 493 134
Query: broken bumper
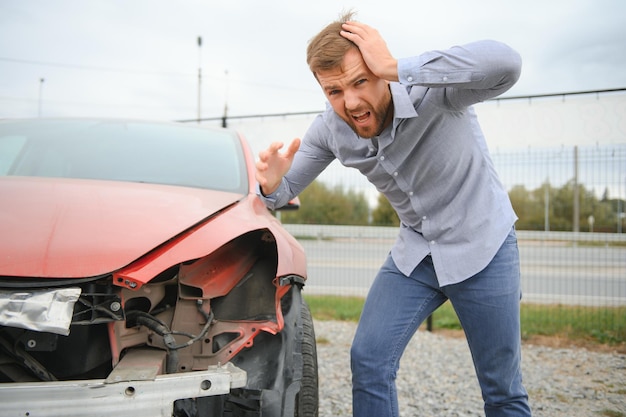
pixel 142 397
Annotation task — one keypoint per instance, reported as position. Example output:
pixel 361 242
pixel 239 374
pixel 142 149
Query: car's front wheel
pixel 290 380
pixel 308 398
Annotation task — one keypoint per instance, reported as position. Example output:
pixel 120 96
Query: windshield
pixel 124 151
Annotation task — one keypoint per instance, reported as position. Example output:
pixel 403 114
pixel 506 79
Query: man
pixel 409 127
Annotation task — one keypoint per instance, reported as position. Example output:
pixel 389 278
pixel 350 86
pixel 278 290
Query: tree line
pixel 544 208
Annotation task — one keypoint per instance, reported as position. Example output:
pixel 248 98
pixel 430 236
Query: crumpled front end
pixel 186 333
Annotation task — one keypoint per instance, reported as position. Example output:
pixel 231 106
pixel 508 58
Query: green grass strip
pixel 602 325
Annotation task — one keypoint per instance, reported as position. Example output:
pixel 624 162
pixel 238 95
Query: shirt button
pixel 395 174
pixel 445 78
pixel 409 78
pixel 424 217
pixel 432 242
pixel 382 158
pixel 410 193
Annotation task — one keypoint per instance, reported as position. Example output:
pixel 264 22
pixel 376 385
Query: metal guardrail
pixel 318 231
pixel 582 268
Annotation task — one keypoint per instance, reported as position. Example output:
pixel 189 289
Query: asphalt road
pixel 552 272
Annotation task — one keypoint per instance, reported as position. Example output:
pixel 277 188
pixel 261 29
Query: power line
pixel 152 72
pixel 563 95
pixel 148 72
pixel 95 68
pixel 186 108
pixel 303 113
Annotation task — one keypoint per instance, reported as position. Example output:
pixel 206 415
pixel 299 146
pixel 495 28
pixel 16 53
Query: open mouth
pixel 361 117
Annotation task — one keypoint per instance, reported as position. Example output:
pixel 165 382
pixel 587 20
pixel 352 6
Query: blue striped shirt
pixel 432 162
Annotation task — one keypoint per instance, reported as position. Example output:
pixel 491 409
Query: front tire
pixel 307 401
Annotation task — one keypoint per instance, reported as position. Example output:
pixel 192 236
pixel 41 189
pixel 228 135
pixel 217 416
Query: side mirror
pixel 292 205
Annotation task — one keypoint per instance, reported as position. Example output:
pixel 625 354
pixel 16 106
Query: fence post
pixel 576 219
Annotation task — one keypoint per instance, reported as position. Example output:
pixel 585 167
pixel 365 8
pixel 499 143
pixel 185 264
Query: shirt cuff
pixel 270 199
pixel 424 70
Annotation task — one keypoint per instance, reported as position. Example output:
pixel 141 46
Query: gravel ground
pixel 437 379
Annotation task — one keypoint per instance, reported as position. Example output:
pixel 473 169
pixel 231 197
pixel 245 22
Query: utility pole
pixel 199 77
pixel 41 80
pixel 225 116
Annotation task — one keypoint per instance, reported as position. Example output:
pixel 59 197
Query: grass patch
pixel 599 325
pixel 605 325
pixel 335 307
pixel 612 413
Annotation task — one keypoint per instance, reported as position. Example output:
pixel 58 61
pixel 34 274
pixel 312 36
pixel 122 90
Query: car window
pixel 121 151
pixel 10 147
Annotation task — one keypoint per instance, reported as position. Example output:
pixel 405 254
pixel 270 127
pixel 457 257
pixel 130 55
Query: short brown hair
pixel 327 49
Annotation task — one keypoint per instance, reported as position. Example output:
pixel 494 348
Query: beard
pixel 379 119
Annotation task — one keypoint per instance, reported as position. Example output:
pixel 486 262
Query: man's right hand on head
pixel 273 165
pixel 373 49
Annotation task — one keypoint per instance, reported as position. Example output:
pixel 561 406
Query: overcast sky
pixel 140 58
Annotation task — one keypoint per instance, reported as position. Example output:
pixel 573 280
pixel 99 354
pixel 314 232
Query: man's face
pixel 357 95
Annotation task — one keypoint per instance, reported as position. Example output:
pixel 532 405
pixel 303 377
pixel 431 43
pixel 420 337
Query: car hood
pixel 66 228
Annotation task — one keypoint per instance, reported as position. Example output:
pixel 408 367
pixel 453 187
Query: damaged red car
pixel 140 275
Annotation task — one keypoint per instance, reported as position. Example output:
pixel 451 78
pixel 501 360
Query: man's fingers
pixel 275 147
pixel 261 165
pixel 272 165
pixel 260 179
pixel 354 31
pixel 293 148
pixel 373 49
pixel 351 36
pixel 354 27
pixel 270 151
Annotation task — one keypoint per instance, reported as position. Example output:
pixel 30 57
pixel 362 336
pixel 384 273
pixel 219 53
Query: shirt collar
pixel 402 104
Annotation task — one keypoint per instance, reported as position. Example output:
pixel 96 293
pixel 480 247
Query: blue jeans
pixel 487 305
